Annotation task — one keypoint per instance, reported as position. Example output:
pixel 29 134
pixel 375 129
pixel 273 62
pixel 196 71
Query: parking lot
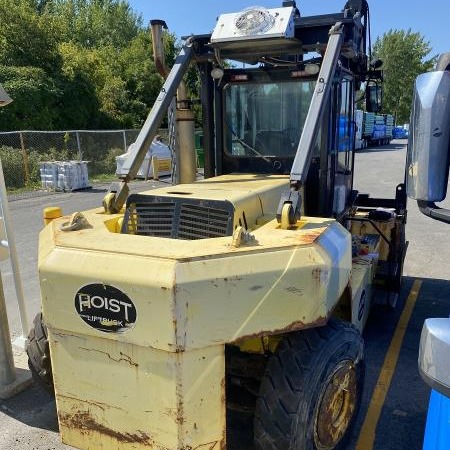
pixel 393 410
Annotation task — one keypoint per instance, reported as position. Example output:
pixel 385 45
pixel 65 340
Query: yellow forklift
pixel 165 311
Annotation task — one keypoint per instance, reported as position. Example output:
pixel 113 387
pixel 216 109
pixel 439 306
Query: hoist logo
pixel 105 308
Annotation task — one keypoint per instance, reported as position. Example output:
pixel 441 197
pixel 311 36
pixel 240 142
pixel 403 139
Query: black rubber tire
pixel 38 350
pixel 293 386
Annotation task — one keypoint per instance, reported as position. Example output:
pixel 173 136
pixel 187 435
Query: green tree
pixel 27 39
pixel 405 55
pixel 94 23
pixel 36 96
pixel 77 64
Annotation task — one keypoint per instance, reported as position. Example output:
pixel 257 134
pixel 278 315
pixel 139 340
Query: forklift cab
pixel 263 112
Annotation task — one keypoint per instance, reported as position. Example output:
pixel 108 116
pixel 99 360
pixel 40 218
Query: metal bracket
pixel 294 200
pixel 303 156
pixel 77 222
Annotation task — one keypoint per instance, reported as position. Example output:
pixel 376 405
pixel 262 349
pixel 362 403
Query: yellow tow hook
pixel 77 222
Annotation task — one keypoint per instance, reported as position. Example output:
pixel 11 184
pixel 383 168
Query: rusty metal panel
pixel 264 292
pixel 113 395
pixel 137 324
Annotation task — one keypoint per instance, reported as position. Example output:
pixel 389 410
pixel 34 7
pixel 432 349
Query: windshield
pixel 266 119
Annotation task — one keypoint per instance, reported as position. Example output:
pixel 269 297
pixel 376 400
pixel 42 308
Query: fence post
pixel 25 159
pixel 12 381
pixel 80 155
pixel 124 141
pixel 155 167
pixel 7 372
pixel 13 256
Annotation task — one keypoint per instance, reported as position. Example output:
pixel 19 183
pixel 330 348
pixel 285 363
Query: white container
pixel 64 175
pixel 157 149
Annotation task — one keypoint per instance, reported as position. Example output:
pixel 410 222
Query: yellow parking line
pixel 367 434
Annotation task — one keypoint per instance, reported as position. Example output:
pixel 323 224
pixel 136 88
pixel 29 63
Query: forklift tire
pixel 311 391
pixel 38 350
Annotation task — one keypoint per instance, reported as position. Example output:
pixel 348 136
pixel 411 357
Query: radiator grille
pixel 151 219
pixel 180 219
pixel 199 222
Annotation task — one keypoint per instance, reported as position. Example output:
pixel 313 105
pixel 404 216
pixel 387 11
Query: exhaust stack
pixel 185 151
pixel 157 27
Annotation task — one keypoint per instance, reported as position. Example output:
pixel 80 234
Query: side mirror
pixel 374 97
pixel 434 355
pixel 428 156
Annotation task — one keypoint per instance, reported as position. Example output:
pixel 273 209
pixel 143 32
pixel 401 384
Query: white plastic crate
pixel 64 175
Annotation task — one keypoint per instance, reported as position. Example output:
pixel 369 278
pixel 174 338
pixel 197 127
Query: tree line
pixel 87 64
pixel 83 64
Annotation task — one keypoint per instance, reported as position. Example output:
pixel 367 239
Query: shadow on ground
pixel 34 407
pixel 383 148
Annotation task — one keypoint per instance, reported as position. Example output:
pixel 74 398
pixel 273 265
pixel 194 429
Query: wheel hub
pixel 336 406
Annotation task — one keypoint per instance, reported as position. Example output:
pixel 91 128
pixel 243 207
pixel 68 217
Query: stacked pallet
pixel 379 128
pixel 368 124
pixel 64 175
pixel 389 125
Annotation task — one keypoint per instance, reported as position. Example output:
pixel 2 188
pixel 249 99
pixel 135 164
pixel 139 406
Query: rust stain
pixel 123 356
pixel 208 446
pixel 337 406
pixel 306 237
pixel 294 326
pixel 179 413
pixel 86 423
pixel 222 395
pixel 174 414
pixel 100 405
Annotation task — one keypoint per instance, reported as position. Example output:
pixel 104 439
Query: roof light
pixel 217 73
pixel 312 69
pixel 309 70
pixel 239 77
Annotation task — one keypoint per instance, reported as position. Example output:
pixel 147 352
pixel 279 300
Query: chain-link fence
pixel 23 152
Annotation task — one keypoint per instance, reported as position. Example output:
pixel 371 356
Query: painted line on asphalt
pixel 367 434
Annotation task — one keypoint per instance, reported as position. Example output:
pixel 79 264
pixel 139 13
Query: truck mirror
pixel 374 95
pixel 434 354
pixel 428 160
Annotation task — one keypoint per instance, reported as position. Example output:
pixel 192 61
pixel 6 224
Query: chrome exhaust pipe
pixel 186 158
pixel 157 27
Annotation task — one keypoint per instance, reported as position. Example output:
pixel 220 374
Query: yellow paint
pixel 114 225
pixel 368 431
pixel 50 213
pixel 160 384
pixel 260 345
pixel 164 165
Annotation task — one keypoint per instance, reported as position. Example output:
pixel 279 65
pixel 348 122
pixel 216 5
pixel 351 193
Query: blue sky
pixel 430 18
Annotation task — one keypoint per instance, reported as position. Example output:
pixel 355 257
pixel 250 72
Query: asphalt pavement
pixel 28 421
